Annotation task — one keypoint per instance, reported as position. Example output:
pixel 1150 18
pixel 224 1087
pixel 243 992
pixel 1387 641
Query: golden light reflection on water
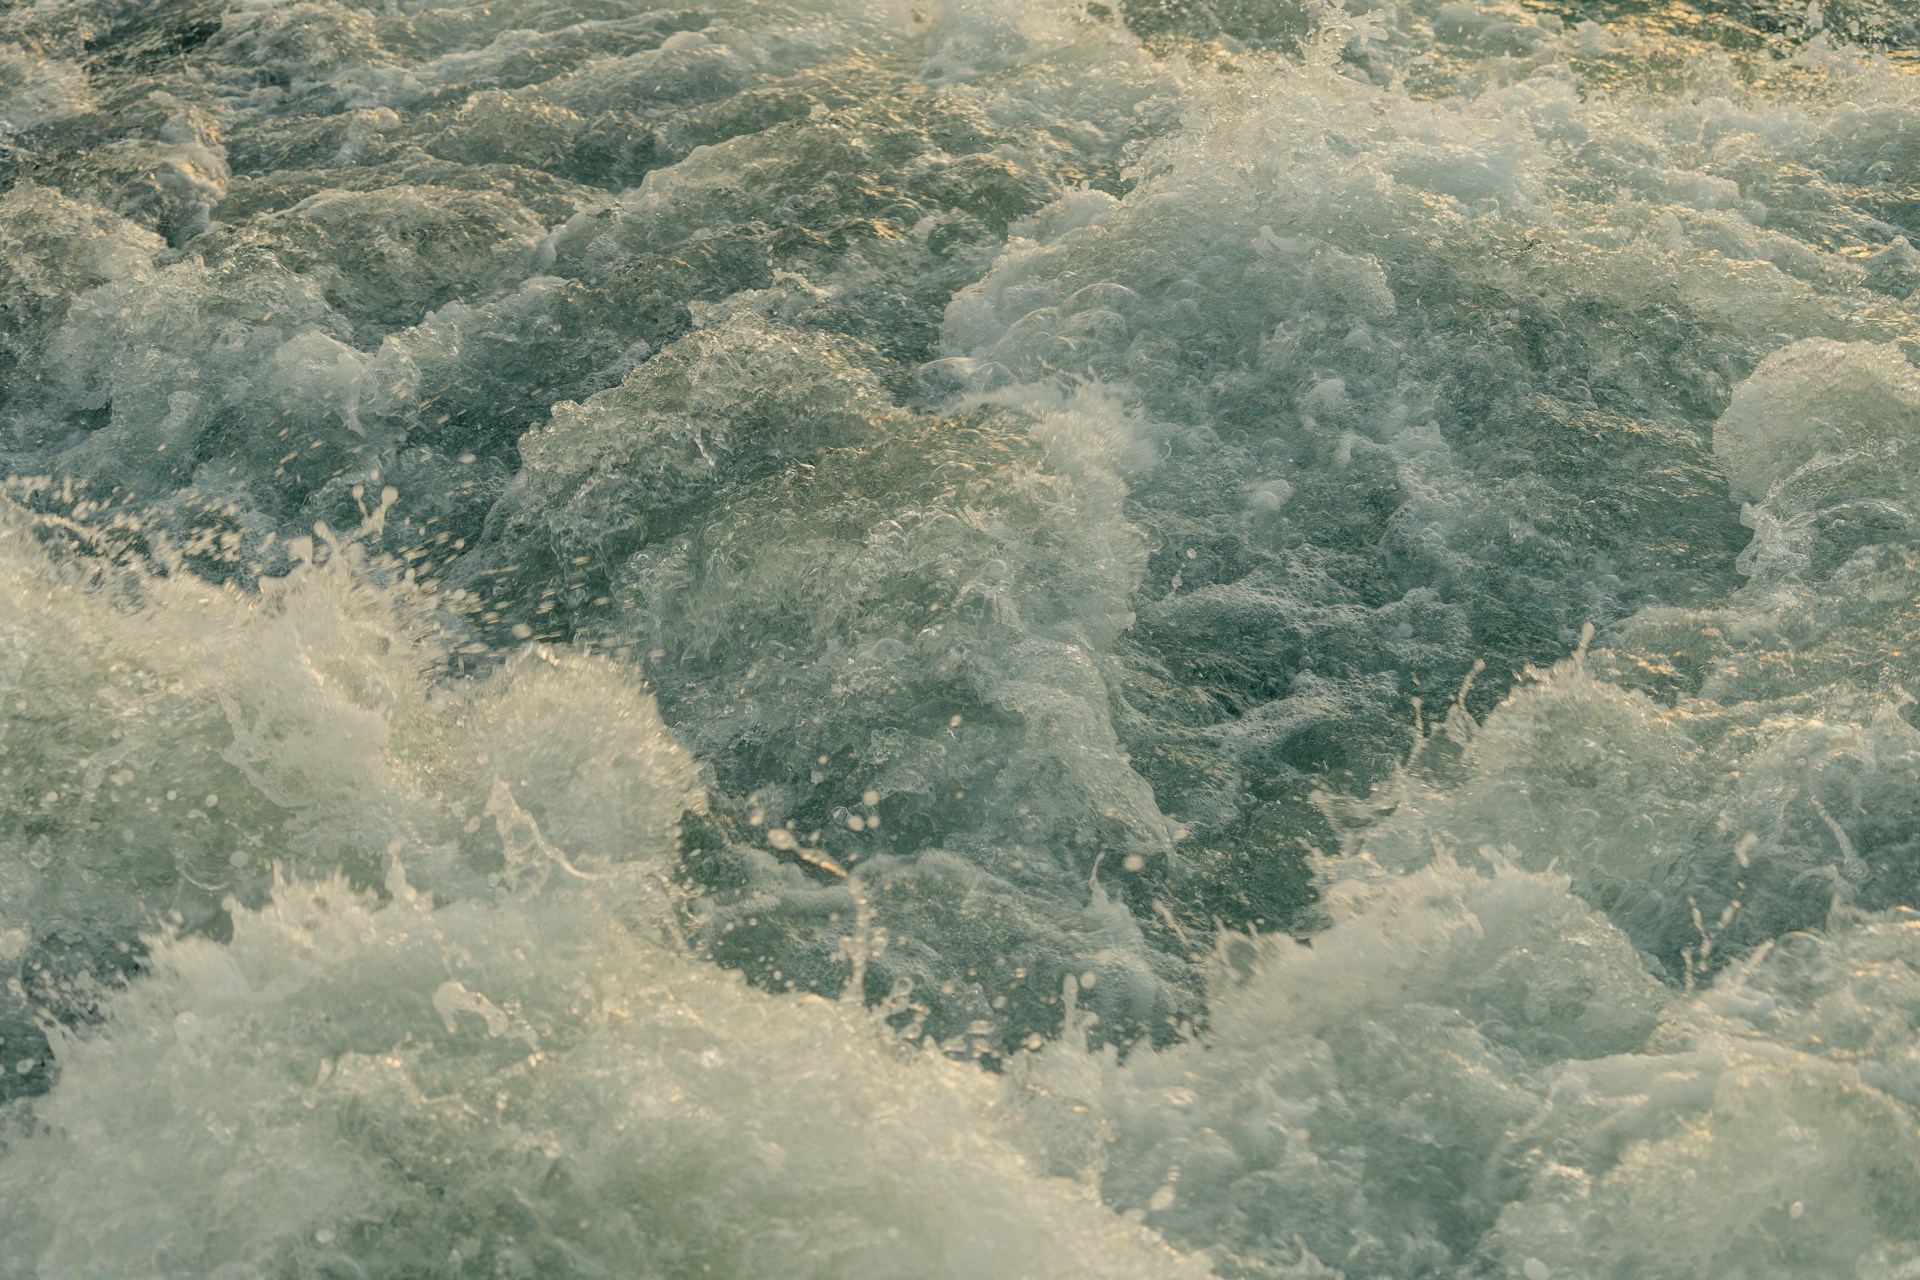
pixel 1750 26
pixel 1675 32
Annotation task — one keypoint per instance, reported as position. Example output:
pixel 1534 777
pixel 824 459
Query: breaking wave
pixel 984 638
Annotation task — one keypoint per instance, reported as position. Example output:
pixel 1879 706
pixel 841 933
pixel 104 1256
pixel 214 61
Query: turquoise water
pixel 972 638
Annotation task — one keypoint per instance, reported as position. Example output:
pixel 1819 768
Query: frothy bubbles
pixel 978 639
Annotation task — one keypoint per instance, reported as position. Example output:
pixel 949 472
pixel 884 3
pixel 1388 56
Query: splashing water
pixel 991 638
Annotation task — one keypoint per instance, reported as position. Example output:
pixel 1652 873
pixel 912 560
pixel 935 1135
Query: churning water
pixel 959 638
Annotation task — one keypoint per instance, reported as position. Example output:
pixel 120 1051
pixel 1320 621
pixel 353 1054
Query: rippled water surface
pixel 1002 638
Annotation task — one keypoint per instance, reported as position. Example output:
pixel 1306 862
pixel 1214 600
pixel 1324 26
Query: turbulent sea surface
pixel 959 638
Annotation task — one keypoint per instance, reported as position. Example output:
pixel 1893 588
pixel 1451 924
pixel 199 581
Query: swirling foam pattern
pixel 1002 638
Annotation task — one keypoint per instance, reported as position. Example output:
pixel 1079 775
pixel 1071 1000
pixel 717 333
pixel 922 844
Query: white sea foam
pixel 851 638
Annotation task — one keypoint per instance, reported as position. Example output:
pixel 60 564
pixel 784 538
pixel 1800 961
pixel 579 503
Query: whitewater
pixel 1262 639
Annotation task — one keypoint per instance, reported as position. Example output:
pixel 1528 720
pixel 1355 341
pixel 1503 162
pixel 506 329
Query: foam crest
pixel 529 1086
pixel 167 742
